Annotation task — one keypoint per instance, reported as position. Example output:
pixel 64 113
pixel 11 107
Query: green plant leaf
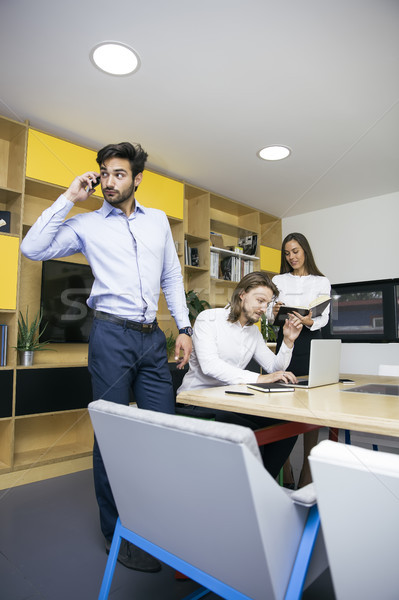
pixel 195 305
pixel 29 334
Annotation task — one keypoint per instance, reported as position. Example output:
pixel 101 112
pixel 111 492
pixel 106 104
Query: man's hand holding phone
pixel 82 187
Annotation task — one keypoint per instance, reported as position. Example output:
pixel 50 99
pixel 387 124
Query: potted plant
pixel 28 338
pixel 268 332
pixel 195 305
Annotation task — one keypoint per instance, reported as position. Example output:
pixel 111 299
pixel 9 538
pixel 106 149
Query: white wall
pixel 355 242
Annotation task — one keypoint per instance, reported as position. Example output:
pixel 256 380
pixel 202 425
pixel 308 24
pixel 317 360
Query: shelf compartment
pixel 49 438
pixel 270 231
pixel 11 201
pixel 52 390
pixel 40 195
pixel 196 205
pixel 6 385
pixel 62 355
pixel 12 154
pixel 6 429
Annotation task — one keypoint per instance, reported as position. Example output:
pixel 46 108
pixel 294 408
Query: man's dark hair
pixel 134 153
pixel 247 283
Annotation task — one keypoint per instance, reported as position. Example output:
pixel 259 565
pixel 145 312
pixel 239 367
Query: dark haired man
pixel 132 255
pixel 224 342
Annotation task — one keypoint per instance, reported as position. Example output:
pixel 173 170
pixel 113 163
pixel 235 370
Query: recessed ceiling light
pixel 274 152
pixel 115 58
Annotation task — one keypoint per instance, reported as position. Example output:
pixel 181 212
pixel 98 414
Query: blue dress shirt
pixel 131 258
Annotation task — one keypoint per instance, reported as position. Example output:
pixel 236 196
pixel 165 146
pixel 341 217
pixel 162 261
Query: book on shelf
pixel 5 217
pixel 214 269
pixel 3 351
pixel 249 244
pixel 271 387
pixel 194 257
pixel 191 255
pixel 317 306
pixel 186 252
pixel 216 239
pixel 233 268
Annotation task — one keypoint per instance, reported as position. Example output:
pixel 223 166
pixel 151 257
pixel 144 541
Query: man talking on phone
pixel 132 255
pixel 224 342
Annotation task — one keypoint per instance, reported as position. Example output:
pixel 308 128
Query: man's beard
pixel 122 197
pixel 250 319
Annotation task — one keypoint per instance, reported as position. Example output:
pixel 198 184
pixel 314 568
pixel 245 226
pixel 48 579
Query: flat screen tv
pixel 365 311
pixel 65 289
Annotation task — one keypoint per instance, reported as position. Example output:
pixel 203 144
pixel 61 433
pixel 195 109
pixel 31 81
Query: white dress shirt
pixel 131 257
pixel 300 291
pixel 222 350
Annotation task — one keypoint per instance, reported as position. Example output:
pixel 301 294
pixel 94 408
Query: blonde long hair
pixel 247 283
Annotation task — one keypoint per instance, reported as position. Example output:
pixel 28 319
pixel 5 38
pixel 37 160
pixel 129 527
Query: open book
pixel 317 307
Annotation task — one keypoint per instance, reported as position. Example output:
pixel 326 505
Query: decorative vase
pixel 26 358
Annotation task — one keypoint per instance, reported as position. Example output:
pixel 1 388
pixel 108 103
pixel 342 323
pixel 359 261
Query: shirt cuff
pixel 285 350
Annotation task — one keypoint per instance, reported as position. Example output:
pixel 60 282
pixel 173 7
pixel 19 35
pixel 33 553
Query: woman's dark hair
pixel 134 153
pixel 247 283
pixel 310 265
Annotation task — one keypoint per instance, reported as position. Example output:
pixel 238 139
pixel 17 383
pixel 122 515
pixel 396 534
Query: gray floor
pixel 51 548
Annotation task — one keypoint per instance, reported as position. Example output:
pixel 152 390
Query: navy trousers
pixel 126 365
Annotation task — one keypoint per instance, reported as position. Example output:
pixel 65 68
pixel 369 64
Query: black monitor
pixel 65 289
pixel 365 311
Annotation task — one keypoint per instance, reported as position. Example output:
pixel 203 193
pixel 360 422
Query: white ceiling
pixel 220 79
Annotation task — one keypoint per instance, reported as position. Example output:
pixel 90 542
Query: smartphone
pixel 94 184
pixel 346 381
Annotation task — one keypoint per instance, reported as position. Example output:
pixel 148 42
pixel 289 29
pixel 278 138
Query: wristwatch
pixel 187 331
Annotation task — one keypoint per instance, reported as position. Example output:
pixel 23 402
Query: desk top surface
pixel 328 406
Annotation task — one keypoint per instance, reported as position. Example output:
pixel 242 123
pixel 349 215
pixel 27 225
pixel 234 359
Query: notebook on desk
pixel 324 363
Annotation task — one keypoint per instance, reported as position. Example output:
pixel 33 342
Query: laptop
pixel 324 363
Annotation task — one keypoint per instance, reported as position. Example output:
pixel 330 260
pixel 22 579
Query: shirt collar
pixel 229 323
pixel 108 209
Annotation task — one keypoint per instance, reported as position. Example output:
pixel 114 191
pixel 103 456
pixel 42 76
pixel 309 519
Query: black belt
pixel 143 327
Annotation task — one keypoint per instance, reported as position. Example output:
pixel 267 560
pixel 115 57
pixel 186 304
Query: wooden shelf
pixel 193 269
pixel 42 439
pixel 195 239
pixel 61 355
pixel 44 456
pixel 206 213
pixel 231 253
pixel 7 195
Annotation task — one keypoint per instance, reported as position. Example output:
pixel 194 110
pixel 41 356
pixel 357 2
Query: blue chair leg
pixel 200 593
pixel 111 562
pixel 207 582
pixel 347 436
pixel 304 554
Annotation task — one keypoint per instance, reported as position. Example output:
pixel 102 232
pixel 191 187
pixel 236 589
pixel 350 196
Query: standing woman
pixel 300 282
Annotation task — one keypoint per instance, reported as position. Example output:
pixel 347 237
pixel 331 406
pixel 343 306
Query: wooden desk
pixel 327 406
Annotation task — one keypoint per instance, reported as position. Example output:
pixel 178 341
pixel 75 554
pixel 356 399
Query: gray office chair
pixel 195 494
pixel 358 499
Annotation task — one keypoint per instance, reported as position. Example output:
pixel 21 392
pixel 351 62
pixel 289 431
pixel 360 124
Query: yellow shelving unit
pixel 39 428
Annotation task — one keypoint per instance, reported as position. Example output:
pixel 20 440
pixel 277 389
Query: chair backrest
pixel 358 498
pixel 199 490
